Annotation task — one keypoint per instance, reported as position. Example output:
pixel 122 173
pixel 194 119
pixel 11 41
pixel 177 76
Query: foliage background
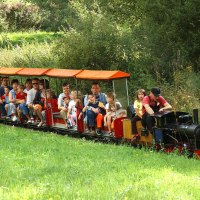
pixel 157 42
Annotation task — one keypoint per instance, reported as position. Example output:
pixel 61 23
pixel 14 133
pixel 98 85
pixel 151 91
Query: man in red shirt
pixel 151 104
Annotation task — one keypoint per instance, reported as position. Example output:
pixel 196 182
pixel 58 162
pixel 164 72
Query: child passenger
pixel 71 115
pixel 12 99
pixel 92 108
pixel 111 115
pixel 111 107
pixel 140 94
pixel 21 100
pixel 49 102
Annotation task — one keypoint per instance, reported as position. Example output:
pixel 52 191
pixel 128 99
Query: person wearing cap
pixel 151 104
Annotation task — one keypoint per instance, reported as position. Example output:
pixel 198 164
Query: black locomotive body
pixel 177 129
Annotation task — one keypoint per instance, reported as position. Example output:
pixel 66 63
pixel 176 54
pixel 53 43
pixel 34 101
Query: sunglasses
pixel 35 83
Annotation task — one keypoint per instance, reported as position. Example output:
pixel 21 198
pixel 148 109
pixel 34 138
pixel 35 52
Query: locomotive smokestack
pixel 195 115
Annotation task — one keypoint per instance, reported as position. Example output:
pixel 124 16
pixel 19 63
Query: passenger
pixel 38 102
pixel 140 94
pixel 111 115
pixel 31 95
pixel 111 106
pixel 121 113
pixel 66 101
pixel 12 99
pixel 71 115
pixel 28 85
pixel 49 102
pixel 92 108
pixel 151 104
pixel 4 83
pixel 5 100
pixel 96 90
pixel 101 99
pixel 61 104
pixel 79 108
pixel 21 97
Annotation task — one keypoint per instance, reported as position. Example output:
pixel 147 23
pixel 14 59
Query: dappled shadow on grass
pixel 48 165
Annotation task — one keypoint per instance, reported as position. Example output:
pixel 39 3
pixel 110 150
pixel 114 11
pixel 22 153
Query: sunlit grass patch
pixel 36 165
pixel 8 40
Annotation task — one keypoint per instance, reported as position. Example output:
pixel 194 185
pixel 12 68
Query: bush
pixel 184 93
pixel 19 16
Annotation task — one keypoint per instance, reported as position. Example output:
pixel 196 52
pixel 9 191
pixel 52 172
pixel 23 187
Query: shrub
pixel 20 16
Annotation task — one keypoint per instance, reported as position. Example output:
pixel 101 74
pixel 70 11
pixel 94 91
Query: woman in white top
pixel 140 94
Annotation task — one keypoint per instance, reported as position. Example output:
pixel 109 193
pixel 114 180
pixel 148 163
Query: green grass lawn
pixel 36 165
pixel 19 38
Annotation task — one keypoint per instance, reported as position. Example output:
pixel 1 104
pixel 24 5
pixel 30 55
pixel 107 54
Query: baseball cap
pixel 155 91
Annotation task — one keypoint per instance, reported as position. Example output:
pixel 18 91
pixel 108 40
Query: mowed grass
pixel 36 165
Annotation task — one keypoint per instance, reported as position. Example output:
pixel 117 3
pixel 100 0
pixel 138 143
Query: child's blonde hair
pixel 111 95
pixel 140 91
pixel 116 105
pixel 77 94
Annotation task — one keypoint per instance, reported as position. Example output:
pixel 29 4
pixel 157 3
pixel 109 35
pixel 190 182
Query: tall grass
pixel 35 165
pixel 28 55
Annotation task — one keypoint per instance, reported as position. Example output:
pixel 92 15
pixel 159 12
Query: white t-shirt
pixel 26 91
pixel 61 100
pixel 30 96
pixel 71 106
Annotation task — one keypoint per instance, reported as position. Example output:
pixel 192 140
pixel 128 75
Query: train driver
pixel 151 104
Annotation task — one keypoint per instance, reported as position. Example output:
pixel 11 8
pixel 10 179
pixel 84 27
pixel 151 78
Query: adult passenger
pixel 99 96
pixel 4 83
pixel 31 95
pixel 101 100
pixel 151 104
pixel 28 85
pixel 61 102
pixel 38 101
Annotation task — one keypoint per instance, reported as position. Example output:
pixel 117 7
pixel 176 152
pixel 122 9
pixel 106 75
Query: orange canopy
pixel 62 73
pixel 101 75
pixel 65 73
pixel 9 71
pixel 32 71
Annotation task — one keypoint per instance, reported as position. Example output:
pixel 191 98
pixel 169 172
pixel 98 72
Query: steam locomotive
pixel 178 129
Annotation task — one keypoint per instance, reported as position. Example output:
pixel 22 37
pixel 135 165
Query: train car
pixel 172 129
pixel 54 122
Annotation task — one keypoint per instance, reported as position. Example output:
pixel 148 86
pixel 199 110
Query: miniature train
pixel 172 130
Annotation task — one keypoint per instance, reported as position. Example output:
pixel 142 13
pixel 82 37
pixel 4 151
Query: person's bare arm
pixel 167 106
pixel 68 113
pixel 11 100
pixel 148 109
